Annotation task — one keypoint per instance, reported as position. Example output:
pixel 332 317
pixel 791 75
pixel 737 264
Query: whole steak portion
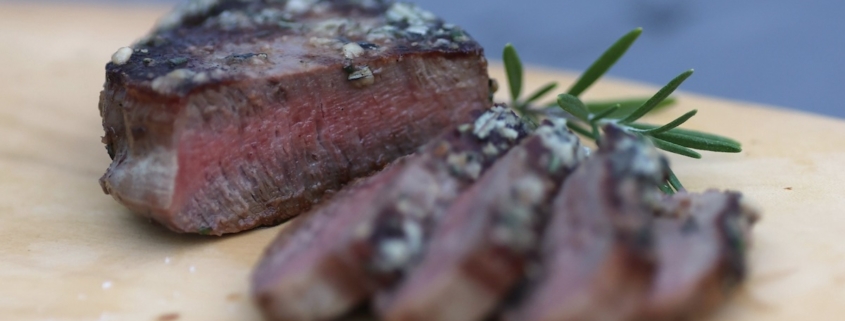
pixel 235 114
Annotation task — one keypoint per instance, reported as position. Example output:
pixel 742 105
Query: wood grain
pixel 68 252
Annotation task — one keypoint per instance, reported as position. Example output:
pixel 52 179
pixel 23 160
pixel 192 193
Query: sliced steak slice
pixel 234 114
pixel 324 267
pixel 288 281
pixel 596 254
pixel 701 241
pixel 479 249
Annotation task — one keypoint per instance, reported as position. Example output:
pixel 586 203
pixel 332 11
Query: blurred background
pixel 778 52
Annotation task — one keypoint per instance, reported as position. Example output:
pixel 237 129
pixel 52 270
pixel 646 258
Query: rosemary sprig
pixel 587 118
pixel 515 73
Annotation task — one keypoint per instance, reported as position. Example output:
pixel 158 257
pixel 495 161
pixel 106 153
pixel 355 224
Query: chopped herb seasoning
pixel 178 61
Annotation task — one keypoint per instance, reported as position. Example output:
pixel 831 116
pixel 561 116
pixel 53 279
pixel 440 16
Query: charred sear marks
pixel 198 36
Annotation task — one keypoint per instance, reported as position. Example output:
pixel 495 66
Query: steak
pixel 597 253
pixel 335 257
pixel 483 242
pixel 701 241
pixel 540 235
pixel 233 114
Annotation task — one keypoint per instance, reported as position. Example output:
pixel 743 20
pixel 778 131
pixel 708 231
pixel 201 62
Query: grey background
pixel 779 52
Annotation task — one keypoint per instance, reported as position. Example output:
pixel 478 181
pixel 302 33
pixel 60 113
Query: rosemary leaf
pixel 604 114
pixel 580 130
pixel 674 148
pixel 662 94
pixel 513 67
pixel 695 139
pixel 603 64
pixel 675 182
pixel 700 143
pixel 540 93
pixel 675 123
pixel 626 106
pixel 574 106
pixel 694 133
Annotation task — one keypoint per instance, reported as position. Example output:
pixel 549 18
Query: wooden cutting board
pixel 68 252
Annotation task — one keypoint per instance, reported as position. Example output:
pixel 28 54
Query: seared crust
pixel 230 41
